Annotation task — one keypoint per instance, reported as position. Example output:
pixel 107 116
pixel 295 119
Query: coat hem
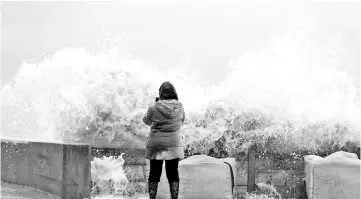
pixel 166 153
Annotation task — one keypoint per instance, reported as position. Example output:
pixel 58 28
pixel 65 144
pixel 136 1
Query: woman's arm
pixel 147 119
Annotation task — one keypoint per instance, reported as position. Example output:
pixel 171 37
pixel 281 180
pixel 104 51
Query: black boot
pixel 152 189
pixel 174 189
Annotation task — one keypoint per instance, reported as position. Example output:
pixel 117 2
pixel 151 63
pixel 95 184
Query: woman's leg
pixel 171 168
pixel 154 177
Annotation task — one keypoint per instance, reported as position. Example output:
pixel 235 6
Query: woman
pixel 164 142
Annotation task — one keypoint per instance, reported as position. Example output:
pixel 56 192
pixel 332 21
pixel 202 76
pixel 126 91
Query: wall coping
pixel 26 140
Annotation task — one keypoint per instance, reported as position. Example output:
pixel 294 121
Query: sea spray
pixel 77 97
pixel 286 97
pixel 100 99
pixel 108 177
pixel 299 95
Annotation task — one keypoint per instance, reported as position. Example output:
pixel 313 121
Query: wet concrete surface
pixel 13 191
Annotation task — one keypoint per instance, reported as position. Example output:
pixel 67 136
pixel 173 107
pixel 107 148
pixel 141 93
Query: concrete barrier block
pixel 59 169
pixel 337 173
pixel 76 171
pixel 201 177
pixel 33 164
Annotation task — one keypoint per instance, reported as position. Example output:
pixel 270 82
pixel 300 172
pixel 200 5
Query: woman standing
pixel 165 141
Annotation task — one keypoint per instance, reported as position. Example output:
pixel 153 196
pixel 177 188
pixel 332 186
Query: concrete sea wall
pixel 59 169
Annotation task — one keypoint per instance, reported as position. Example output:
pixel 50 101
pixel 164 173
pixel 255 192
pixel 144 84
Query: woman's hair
pixel 167 91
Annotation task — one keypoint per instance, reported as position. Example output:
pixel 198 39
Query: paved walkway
pixel 12 191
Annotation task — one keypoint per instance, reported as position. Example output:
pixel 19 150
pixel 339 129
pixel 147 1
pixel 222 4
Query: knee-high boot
pixel 152 189
pixel 174 189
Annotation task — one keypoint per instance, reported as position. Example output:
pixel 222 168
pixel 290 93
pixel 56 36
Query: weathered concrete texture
pixel 76 171
pixel 12 191
pixel 60 169
pixel 335 176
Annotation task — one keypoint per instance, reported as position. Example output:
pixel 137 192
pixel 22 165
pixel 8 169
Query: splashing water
pixel 290 82
pixel 108 176
pixel 289 92
pixel 78 97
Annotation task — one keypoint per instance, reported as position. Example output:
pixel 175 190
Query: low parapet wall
pixel 60 169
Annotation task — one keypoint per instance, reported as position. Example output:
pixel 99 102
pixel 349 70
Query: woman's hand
pixel 147 119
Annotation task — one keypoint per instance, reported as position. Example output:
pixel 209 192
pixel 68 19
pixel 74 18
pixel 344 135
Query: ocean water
pixel 291 89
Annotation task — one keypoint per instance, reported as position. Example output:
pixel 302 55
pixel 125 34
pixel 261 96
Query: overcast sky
pixel 165 32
